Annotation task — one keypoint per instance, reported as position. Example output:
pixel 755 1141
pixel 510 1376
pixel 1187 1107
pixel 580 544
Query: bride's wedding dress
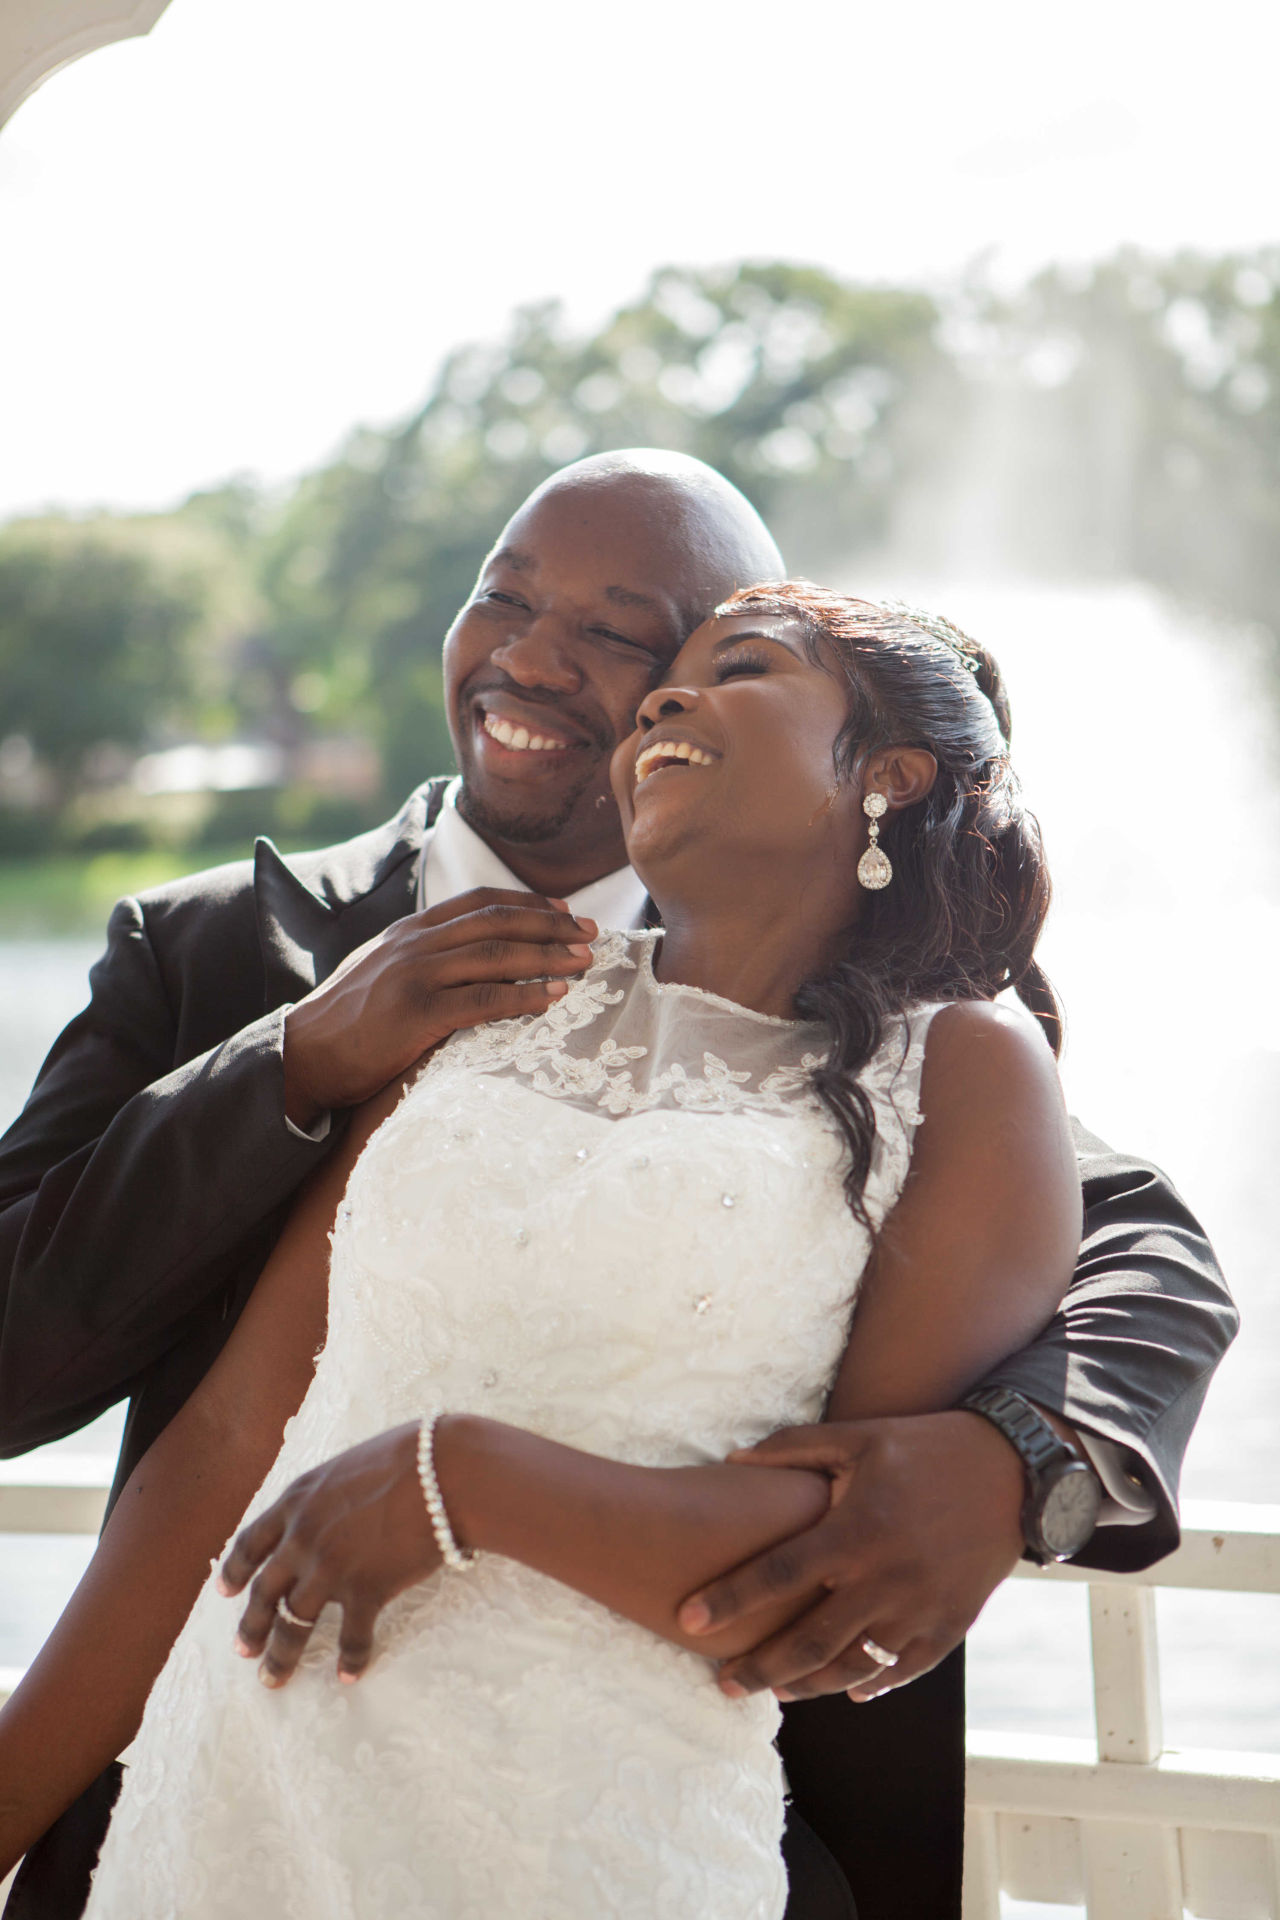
pixel 620 1224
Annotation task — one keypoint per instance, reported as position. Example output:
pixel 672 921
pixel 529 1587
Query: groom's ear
pixel 902 774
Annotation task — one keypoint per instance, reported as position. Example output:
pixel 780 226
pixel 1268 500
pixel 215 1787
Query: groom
pixel 238 1015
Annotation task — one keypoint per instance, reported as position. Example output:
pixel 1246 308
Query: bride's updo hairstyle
pixel 970 889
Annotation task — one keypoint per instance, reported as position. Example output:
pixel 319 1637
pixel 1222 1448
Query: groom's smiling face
pixel 578 611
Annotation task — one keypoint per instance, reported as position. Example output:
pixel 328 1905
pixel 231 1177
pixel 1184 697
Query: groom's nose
pixel 542 655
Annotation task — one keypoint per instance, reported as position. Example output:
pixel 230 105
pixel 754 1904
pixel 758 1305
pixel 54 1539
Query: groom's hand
pixel 922 1528
pixel 486 955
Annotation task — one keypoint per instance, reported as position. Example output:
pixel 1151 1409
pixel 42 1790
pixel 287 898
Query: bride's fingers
pixel 290 1631
pixel 355 1643
pixel 277 1580
pixel 251 1548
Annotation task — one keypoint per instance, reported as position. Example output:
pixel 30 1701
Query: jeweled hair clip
pixel 939 628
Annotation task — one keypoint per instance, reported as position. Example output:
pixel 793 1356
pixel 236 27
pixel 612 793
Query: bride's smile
pixel 740 813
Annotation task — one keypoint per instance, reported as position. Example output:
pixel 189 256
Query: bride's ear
pixel 902 774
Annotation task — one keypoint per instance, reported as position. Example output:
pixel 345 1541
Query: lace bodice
pixel 619 1223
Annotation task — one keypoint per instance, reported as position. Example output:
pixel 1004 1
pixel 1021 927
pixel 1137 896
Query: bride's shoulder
pixel 990 1062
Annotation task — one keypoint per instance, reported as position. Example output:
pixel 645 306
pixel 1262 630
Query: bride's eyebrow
pixel 751 633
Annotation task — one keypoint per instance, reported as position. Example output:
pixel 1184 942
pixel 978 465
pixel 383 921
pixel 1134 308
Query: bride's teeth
pixel 537 743
pixel 520 738
pixel 670 750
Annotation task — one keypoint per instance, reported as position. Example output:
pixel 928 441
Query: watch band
pixel 1036 1443
pixel 1026 1430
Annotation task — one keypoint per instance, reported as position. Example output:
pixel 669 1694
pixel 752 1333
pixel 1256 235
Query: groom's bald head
pixel 712 533
pixel 590 591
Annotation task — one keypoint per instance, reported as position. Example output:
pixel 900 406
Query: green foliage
pixel 1120 421
pixel 1136 410
pixel 93 640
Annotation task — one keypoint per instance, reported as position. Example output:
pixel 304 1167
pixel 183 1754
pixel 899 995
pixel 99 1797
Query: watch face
pixel 1070 1510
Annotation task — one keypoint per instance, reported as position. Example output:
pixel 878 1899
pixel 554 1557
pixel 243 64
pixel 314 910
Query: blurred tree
pixel 94 642
pixel 1125 419
pixel 806 392
pixel 1122 419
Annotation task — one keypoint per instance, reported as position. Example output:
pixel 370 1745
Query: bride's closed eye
pixel 741 660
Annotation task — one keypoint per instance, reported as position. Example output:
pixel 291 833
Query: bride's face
pixel 733 753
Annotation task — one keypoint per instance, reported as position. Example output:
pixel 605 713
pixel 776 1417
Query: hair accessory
pixel 293 1619
pixel 875 869
pixel 459 1558
pixel 939 628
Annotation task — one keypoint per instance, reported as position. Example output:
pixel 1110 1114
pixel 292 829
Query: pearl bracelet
pixel 459 1558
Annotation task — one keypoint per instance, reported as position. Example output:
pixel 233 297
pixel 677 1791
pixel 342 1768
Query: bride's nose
pixel 664 703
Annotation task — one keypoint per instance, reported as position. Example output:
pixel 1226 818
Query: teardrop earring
pixel 875 869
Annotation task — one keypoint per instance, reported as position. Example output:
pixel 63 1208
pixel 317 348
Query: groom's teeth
pixel 519 739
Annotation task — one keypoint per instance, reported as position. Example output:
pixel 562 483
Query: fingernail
pixel 268 1679
pixel 695 1617
pixel 583 953
pixel 223 1588
pixel 782 1693
pixel 242 1648
pixel 732 1690
pixel 588 926
pixel 347 1679
pixel 555 988
pixel 562 904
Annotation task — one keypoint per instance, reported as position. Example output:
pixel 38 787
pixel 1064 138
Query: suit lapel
pixel 308 925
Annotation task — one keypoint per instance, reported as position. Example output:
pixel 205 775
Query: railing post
pixel 1132 1871
pixel 981 1898
pixel 1126 1673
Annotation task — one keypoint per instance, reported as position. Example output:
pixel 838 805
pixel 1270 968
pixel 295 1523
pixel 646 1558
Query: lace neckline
pixel 648 941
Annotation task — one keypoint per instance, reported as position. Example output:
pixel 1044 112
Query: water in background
pixel 1148 749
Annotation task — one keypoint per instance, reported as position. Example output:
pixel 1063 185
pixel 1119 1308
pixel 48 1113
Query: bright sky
pixel 224 245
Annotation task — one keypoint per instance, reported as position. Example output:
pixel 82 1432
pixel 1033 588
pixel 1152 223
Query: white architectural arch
pixel 39 36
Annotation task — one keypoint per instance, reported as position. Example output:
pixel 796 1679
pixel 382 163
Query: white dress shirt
pixel 455 859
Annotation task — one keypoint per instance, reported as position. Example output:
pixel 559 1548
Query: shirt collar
pixel 455 859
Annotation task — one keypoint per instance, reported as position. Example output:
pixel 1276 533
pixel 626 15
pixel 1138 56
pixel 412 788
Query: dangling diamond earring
pixel 875 869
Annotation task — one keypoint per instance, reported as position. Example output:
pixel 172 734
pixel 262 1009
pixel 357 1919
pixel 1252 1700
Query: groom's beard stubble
pixel 517 828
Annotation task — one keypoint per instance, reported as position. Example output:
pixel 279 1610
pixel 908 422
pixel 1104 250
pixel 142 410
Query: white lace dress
pixel 619 1224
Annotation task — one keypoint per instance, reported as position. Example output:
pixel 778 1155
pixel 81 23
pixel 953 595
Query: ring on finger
pixel 296 1620
pixel 874 1651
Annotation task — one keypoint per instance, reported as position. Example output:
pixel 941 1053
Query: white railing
pixel 1118 1824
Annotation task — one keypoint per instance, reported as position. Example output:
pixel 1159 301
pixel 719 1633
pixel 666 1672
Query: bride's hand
pixel 354 1531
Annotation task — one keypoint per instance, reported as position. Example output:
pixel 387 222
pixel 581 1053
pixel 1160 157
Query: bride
pixel 579 1268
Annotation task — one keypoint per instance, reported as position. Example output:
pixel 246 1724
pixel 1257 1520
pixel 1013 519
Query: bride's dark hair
pixel 970 888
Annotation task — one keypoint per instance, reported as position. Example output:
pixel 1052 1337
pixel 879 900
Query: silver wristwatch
pixel 1064 1494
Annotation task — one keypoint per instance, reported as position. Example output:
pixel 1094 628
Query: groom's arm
pixel 132 1176
pixel 137 1180
pixel 1128 1358
pixel 930 1526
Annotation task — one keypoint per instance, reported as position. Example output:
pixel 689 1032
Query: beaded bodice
pixel 648 1248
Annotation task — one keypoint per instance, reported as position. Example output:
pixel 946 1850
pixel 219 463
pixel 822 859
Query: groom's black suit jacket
pixel 145 1182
